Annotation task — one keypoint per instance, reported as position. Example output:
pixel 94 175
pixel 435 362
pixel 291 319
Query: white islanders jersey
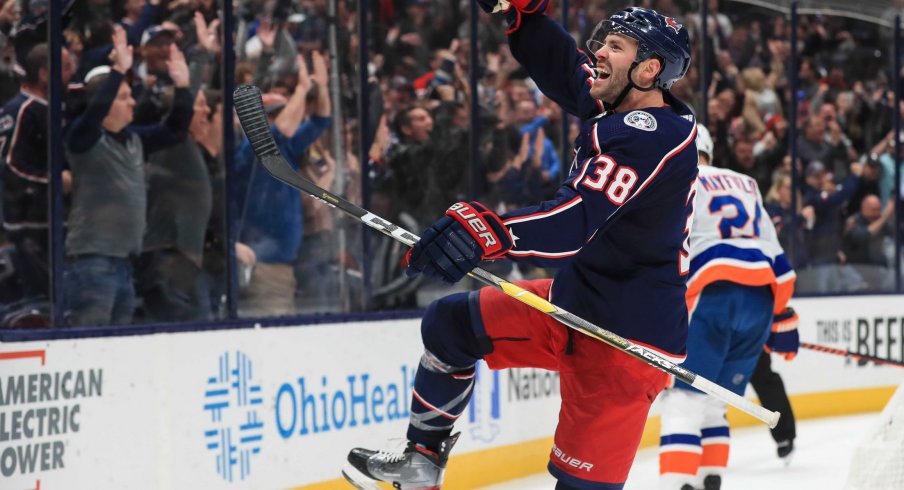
pixel 732 238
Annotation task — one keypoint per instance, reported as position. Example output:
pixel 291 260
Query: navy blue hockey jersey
pixel 23 146
pixel 617 228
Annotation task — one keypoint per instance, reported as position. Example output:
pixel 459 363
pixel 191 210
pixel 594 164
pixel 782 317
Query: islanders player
pixel 738 290
pixel 616 230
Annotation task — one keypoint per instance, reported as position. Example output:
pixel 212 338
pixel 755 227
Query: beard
pixel 610 88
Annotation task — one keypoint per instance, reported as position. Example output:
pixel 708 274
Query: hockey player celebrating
pixel 740 283
pixel 616 230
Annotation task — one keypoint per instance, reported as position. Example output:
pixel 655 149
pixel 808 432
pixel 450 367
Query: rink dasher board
pixel 280 407
pixel 255 408
pixel 867 325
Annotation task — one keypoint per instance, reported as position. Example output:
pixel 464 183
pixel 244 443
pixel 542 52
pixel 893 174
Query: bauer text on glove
pixel 457 242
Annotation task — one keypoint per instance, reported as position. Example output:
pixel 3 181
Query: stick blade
pixel 250 108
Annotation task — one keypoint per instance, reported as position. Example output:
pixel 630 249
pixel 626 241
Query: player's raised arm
pixel 549 54
pixel 554 62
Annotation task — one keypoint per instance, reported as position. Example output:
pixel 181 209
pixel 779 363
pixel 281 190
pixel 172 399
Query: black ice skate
pixel 785 450
pixel 712 482
pixel 415 468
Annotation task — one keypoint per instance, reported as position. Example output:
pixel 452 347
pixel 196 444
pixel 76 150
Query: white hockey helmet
pixel 704 142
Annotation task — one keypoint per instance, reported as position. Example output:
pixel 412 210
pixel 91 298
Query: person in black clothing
pixel 424 170
pixel 770 389
pixel 867 235
pixel 866 231
pixel 109 201
pixel 169 276
pixel 828 199
pixel 181 275
pixel 215 239
pixel 743 160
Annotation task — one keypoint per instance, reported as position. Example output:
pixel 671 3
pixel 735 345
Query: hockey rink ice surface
pixel 822 455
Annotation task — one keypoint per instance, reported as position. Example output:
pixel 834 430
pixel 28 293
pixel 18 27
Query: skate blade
pixel 358 480
pixel 787 459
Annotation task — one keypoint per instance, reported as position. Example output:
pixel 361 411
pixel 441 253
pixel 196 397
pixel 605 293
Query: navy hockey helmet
pixel 656 35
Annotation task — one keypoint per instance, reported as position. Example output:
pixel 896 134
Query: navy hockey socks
pixel 445 376
pixel 441 393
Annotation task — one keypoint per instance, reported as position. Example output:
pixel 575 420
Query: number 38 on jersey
pixel 617 181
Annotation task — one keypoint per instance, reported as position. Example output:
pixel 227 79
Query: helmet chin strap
pixel 624 93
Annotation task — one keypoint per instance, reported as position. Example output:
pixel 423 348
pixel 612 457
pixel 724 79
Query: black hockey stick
pixel 250 109
pixel 853 355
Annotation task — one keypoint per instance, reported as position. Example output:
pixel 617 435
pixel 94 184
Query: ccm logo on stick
pixel 476 224
pixel 571 461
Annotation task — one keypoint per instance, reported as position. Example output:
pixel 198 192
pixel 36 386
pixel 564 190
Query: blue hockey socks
pixel 441 393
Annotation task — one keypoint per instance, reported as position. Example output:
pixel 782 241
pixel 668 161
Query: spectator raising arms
pixel 272 224
pixel 109 201
pixel 169 274
pixel 866 235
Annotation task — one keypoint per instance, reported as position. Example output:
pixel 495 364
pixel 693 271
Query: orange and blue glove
pixel 784 339
pixel 457 242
